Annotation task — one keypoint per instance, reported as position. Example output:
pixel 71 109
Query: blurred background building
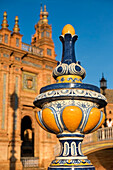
pixel 24 69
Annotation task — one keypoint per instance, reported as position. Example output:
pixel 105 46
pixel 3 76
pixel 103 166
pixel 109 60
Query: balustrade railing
pixel 29 162
pixel 99 135
pixel 105 133
pixel 32 49
pixel 88 138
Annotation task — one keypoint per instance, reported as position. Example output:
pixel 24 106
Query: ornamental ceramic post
pixel 70 108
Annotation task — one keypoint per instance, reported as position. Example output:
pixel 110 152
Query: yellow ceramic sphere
pixel 102 121
pixel 49 120
pixel 72 116
pixel 37 118
pixel 93 119
pixel 68 29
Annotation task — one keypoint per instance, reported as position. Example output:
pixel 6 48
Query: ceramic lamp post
pixel 70 108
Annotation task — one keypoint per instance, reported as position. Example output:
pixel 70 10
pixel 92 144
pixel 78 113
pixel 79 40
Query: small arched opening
pixel 27 137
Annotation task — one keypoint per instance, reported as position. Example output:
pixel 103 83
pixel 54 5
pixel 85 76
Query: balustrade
pixel 105 133
pixel 29 161
pixel 32 49
pixel 101 134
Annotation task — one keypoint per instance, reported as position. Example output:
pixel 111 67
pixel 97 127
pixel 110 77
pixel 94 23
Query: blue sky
pixel 93 23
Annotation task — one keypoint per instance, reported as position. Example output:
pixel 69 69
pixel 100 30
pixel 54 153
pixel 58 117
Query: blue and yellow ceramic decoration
pixel 68 29
pixel 93 119
pixel 71 118
pixel 70 108
pixel 69 79
pixel 49 120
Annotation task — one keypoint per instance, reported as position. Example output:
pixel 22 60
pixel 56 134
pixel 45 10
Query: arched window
pixel 27 137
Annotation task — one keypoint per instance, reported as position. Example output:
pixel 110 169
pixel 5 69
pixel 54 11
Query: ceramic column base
pixel 72 168
pixel 71 156
pixel 71 164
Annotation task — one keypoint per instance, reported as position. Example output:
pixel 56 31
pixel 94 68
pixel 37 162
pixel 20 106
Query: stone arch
pixel 27 137
pixel 93 147
pixel 31 117
pixel 102 159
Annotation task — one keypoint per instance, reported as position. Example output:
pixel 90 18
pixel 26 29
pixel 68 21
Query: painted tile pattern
pixel 70 108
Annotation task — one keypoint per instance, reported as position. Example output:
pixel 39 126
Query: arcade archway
pixel 27 137
pixel 102 159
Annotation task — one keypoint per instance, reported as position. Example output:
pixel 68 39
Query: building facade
pixel 109 107
pixel 108 110
pixel 24 69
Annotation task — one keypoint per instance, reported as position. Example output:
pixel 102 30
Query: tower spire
pixel 45 15
pixel 16 28
pixel 41 11
pixel 4 22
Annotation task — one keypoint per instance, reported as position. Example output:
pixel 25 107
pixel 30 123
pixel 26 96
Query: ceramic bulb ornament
pixel 70 108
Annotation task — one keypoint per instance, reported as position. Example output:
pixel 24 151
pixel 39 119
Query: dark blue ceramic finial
pixel 68 39
pixel 68 64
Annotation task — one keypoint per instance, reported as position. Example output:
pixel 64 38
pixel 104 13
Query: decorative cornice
pixel 72 94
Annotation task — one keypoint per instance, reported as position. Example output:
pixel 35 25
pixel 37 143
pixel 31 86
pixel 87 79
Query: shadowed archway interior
pixel 27 137
pixel 102 159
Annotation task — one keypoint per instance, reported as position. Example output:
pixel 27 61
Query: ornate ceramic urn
pixel 70 108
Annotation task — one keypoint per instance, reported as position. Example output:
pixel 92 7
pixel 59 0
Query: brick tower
pixel 24 69
pixel 43 35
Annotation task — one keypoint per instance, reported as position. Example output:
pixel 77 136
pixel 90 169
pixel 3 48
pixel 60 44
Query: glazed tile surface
pixel 70 108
